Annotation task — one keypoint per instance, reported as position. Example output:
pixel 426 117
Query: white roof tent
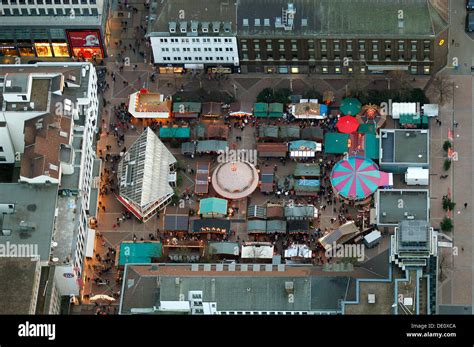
pixel 257 250
pixel 143 175
pixel 298 251
pixel 399 108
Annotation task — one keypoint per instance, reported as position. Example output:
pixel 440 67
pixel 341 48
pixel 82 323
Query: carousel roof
pixel 356 178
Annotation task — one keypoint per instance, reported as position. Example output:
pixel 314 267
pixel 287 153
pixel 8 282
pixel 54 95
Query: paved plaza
pixel 457 284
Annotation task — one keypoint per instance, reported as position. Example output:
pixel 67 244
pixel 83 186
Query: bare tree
pixel 443 89
pixel 401 81
pixel 356 85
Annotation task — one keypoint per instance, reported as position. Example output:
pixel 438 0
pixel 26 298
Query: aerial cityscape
pixel 236 157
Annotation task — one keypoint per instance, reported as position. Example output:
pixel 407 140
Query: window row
pixel 336 45
pixel 197 58
pixel 49 2
pixel 337 57
pixel 196 40
pixel 197 49
pixel 72 12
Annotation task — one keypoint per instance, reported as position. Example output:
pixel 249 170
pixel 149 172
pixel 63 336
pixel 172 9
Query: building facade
pixel 340 37
pixel 54 28
pixel 194 35
pixel 301 36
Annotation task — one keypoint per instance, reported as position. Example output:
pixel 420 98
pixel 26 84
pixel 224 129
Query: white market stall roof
pixel 399 108
pixel 257 250
pixel 298 251
pixel 371 237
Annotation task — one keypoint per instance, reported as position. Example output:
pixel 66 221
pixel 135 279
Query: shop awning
pixel 90 243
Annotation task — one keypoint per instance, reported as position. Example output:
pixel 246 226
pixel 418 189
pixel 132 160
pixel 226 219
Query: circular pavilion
pixel 235 180
pixel 357 178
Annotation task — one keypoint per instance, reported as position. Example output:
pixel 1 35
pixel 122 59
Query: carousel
pixel 370 114
pixel 355 179
pixel 235 180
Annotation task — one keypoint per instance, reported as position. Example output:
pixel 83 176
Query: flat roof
pixel 66 229
pixel 345 18
pixel 404 146
pixel 254 288
pixel 397 205
pixel 17 281
pixel 204 13
pixel 33 216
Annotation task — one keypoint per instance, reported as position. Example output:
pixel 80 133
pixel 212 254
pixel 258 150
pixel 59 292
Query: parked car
pixel 470 5
pixel 470 22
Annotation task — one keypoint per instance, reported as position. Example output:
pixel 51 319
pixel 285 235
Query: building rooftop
pixel 404 146
pixel 143 172
pixel 211 17
pixel 307 170
pixel 31 220
pixel 343 18
pixel 44 136
pixel 234 287
pixel 17 285
pixel 397 205
pixel 66 230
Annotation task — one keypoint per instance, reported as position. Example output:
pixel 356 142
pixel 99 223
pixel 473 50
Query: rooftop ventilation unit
pixel 205 27
pixel 245 22
pixel 257 22
pixel 7 208
pixel 6 232
pixel 289 287
pixel 266 22
pixel 172 27
pixel 183 27
pixel 371 298
pixel 227 26
pixel 194 26
pixel 286 21
pixel 216 26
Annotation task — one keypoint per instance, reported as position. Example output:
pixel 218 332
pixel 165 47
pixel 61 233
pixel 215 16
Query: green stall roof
pixel 139 252
pixel 270 131
pixel 175 132
pixel 260 109
pixel 275 110
pixel 367 128
pixel 371 146
pixel 213 205
pixel 336 143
